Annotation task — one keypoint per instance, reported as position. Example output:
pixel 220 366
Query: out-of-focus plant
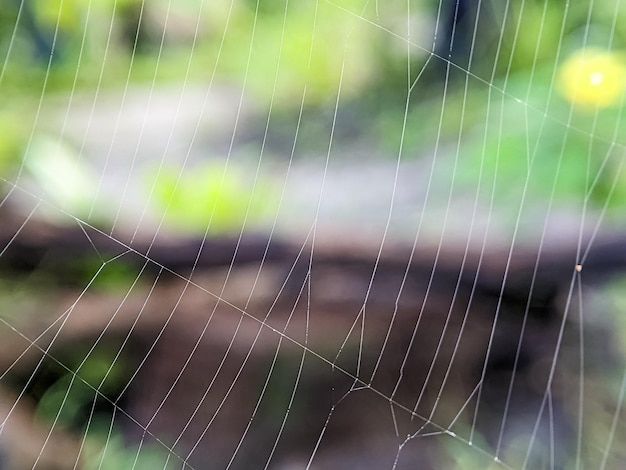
pixel 57 169
pixel 315 42
pixel 216 196
pixel 114 454
pixel 72 400
pixel 89 44
pixel 357 49
pixel 515 37
pixel 317 46
pixel 68 398
pixel 12 140
pixel 557 143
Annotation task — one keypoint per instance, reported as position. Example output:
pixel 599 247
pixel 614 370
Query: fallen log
pixel 286 353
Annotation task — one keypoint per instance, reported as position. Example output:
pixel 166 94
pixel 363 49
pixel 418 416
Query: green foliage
pixel 215 195
pixel 69 396
pixel 364 39
pixel 58 169
pixel 289 47
pixel 75 40
pixel 71 399
pixel 460 456
pixel 64 399
pixel 536 150
pixel 12 141
pixel 116 455
pixel 111 275
pixel 316 45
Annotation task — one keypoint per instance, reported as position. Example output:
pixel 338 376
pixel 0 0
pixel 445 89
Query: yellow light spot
pixel 593 77
pixel 579 267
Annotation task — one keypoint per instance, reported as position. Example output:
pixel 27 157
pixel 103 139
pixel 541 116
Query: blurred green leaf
pixel 215 195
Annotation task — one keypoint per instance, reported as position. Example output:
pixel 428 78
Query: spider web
pixel 245 234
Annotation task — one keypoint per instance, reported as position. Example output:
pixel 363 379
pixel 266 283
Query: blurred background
pixel 365 128
pixel 495 105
